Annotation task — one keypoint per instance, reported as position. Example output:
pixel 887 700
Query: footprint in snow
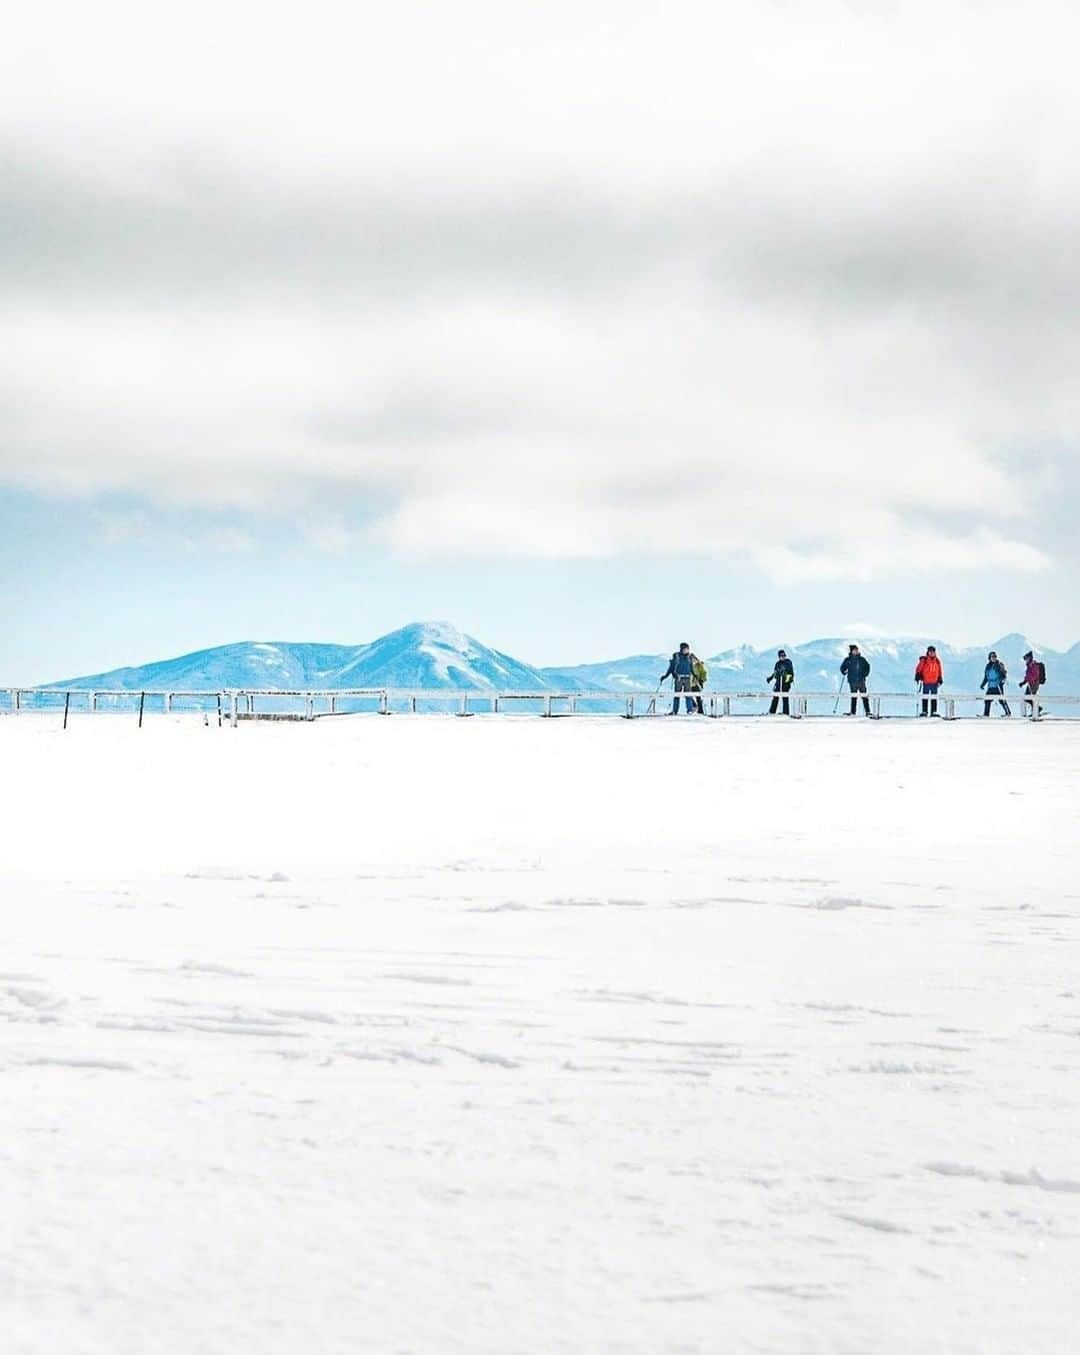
pixel 107 1065
pixel 208 967
pixel 1033 1178
pixel 836 903
pixel 876 1225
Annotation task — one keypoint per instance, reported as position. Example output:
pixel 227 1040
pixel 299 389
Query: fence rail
pixel 231 705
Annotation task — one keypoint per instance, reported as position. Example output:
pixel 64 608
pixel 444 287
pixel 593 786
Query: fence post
pixel 727 705
pixel 219 710
pixel 142 703
pixel 310 706
pixel 547 706
pixel 875 707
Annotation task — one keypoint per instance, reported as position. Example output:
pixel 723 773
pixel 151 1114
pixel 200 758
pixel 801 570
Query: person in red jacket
pixel 928 678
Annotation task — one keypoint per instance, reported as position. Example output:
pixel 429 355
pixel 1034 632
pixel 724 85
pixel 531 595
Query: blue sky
pixel 86 597
pixel 582 329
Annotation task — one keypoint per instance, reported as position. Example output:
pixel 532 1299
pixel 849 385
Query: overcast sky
pixel 585 325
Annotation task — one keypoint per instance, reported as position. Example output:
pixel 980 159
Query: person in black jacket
pixel 856 669
pixel 782 678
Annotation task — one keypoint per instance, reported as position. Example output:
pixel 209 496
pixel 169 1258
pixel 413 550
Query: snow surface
pixel 514 1035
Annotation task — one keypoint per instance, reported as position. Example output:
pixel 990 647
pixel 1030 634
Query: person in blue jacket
pixel 993 682
pixel 681 669
pixel 856 669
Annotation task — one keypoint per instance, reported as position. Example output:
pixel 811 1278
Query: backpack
pixel 1042 673
pixel 856 666
pixel 700 672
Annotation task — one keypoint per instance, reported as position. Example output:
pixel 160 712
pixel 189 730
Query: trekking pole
pixel 652 699
pixel 839 694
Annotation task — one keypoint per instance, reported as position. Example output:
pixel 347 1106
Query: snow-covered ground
pixel 512 1035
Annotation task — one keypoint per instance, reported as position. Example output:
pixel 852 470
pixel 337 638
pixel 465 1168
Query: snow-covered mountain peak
pixel 440 638
pixel 433 632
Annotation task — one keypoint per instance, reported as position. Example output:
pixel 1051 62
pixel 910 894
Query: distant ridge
pixel 436 656
pixel 429 654
pixel 817 664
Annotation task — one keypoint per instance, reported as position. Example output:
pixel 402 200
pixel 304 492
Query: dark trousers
pixel 929 689
pixel 682 684
pixel 854 699
pixel 774 705
pixel 995 691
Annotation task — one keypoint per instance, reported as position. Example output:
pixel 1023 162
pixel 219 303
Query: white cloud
pixel 788 285
pixel 223 540
pixel 329 535
pixel 122 527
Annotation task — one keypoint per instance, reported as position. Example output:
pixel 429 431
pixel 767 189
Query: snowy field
pixel 512 1035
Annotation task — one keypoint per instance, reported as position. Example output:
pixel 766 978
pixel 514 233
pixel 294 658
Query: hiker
pixel 928 678
pixel 1034 677
pixel 698 678
pixel 681 671
pixel 856 669
pixel 994 675
pixel 782 678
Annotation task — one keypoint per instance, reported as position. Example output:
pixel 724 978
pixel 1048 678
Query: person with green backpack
pixel 698 677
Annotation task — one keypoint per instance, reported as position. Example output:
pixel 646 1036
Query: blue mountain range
pixel 436 656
